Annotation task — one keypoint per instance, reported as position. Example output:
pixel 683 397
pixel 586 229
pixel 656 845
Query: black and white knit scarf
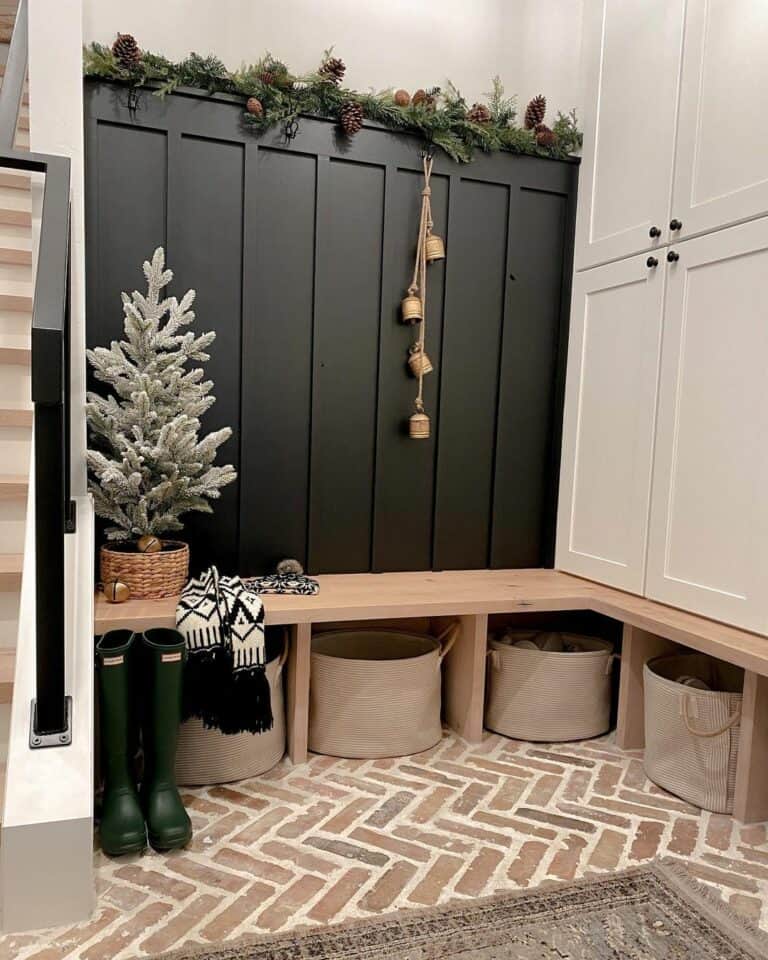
pixel 225 682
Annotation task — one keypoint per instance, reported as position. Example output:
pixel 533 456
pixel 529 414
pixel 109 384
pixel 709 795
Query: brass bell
pixel 149 544
pixel 412 309
pixel 418 361
pixel 434 248
pixel 115 591
pixel 418 426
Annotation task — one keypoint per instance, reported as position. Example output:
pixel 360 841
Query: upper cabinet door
pixel 610 405
pixel 721 167
pixel 708 542
pixel 632 52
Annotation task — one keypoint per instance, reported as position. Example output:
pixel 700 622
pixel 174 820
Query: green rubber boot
pixel 122 822
pixel 164 653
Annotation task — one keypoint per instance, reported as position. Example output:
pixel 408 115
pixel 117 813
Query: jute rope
pixel 419 281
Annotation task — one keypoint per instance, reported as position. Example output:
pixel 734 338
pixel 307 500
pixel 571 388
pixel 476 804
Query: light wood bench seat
pixel 650 628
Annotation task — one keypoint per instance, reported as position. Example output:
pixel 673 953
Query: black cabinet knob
pixel 651 262
pixel 654 232
pixel 675 224
pixel 673 256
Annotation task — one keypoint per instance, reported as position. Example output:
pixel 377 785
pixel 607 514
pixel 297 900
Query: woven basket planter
pixel 549 696
pixel 376 693
pixel 207 756
pixel 149 576
pixel 692 735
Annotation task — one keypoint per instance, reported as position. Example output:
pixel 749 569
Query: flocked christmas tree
pixel 149 464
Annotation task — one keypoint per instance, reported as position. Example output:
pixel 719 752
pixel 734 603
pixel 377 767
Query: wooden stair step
pixel 11 565
pixel 15 351
pixel 13 486
pixel 15 302
pixel 16 256
pixel 17 218
pixel 16 414
pixel 15 180
pixel 7 671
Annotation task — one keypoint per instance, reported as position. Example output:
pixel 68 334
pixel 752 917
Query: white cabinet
pixel 708 543
pixel 631 56
pixel 721 164
pixel 609 419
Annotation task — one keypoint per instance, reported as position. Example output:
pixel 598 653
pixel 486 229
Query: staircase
pixel 15 405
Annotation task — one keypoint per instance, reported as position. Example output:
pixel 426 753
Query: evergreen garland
pixel 440 116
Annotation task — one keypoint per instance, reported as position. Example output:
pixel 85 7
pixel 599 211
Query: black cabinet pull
pixel 654 232
pixel 651 262
pixel 675 224
pixel 673 256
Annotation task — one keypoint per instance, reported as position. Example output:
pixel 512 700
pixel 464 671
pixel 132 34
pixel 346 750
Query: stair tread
pixel 16 255
pixel 7 671
pixel 13 485
pixel 15 414
pixel 11 562
pixel 15 302
pixel 15 180
pixel 16 217
pixel 15 349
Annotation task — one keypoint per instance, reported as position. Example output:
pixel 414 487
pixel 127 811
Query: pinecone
pixel 544 136
pixel 332 69
pixel 479 113
pixel 402 98
pixel 419 98
pixel 534 112
pixel 254 107
pixel 351 117
pixel 126 51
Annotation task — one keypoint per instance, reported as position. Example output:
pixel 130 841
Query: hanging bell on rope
pixel 412 309
pixel 418 361
pixel 418 424
pixel 434 248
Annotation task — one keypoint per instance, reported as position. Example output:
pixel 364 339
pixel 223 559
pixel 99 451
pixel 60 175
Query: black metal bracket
pixel 59 738
pixel 70 517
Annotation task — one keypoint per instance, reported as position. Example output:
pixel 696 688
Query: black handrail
pixel 54 513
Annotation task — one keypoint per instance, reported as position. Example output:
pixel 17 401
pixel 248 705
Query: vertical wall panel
pixel 346 332
pixel 476 273
pixel 300 252
pixel 277 357
pixel 523 501
pixel 405 470
pixel 205 237
pixel 130 180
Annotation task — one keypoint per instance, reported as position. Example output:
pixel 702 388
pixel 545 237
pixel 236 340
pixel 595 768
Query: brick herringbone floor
pixel 346 838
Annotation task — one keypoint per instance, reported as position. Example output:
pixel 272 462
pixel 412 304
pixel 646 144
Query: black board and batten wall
pixel 300 252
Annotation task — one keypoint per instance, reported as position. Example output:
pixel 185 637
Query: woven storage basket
pixel 209 756
pixel 376 693
pixel 535 694
pixel 692 735
pixel 149 576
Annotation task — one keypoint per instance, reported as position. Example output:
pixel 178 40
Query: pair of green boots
pixel 140 682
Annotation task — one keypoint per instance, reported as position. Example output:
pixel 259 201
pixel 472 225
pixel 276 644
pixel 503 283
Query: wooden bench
pixel 649 629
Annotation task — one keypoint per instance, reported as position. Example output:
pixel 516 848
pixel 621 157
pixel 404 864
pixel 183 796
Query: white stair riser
pixel 15 449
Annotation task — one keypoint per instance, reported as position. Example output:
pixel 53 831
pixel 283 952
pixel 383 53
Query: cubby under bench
pixel 428 599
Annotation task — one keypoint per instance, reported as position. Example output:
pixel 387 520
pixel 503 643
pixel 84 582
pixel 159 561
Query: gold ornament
pixel 149 544
pixel 412 309
pixel 115 591
pixel 402 98
pixel 418 361
pixel 434 248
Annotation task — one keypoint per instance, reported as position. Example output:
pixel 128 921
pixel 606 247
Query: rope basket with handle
pixel 149 576
pixel 692 728
pixel 376 692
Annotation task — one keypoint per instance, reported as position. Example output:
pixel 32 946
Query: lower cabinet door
pixel 708 540
pixel 610 408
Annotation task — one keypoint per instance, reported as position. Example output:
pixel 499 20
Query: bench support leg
pixel 637 648
pixel 751 800
pixel 464 679
pixel 297 690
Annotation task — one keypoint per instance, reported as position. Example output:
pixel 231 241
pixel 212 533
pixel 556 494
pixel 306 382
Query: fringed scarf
pixel 225 681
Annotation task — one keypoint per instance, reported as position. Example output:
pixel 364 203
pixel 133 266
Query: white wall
pixel 532 44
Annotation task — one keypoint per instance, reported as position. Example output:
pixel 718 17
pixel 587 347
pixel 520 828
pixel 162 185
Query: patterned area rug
pixel 654 912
